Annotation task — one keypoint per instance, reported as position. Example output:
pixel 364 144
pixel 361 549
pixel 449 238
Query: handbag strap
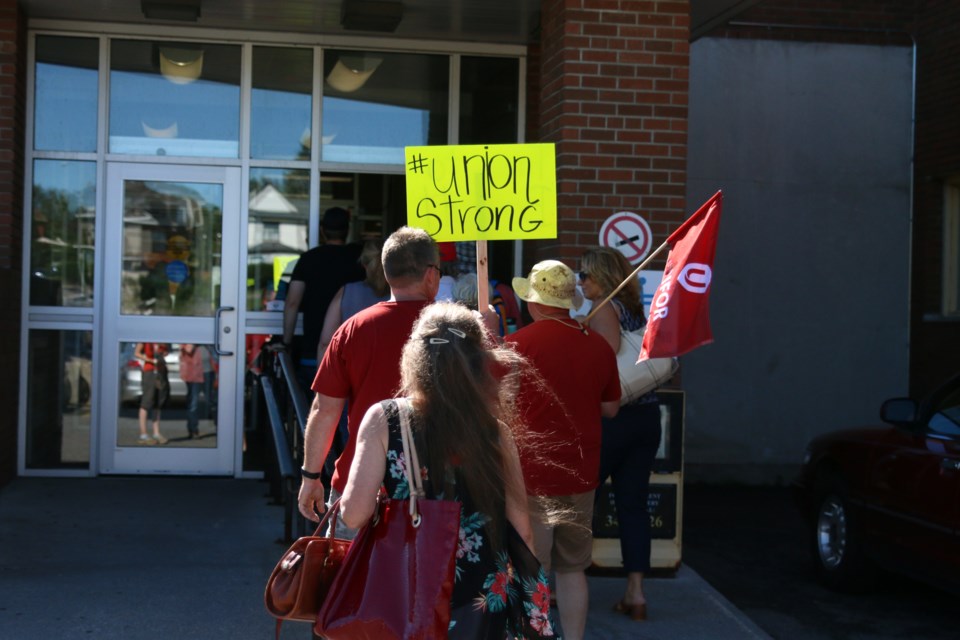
pixel 332 512
pixel 414 481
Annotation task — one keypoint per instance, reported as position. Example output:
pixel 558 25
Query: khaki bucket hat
pixel 551 283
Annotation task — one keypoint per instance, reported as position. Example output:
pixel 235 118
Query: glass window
pixel 63 219
pixel 174 98
pixel 58 399
pixel 277 232
pixel 282 103
pixel 171 248
pixel 168 395
pixel 65 97
pixel 489 100
pixel 375 104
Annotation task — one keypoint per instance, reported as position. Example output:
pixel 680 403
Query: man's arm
pixel 609 409
pixel 291 307
pixel 321 427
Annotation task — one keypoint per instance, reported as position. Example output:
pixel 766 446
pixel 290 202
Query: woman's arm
pixel 606 322
pixel 516 492
pixel 330 323
pixel 359 498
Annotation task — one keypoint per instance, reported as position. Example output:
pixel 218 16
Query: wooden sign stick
pixel 483 280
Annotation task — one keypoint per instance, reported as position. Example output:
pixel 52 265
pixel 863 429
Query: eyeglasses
pixel 435 267
pixel 583 275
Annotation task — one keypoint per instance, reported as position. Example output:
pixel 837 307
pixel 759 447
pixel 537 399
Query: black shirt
pixel 323 270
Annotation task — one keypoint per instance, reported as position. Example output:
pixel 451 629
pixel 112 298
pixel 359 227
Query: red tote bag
pixel 397 578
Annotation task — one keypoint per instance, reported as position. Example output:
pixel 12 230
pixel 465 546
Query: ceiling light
pixel 352 72
pixel 181 66
pixel 371 15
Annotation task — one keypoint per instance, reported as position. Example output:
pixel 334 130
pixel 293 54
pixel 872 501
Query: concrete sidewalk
pixel 154 558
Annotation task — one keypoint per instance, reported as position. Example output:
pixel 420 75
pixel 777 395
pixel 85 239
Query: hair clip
pixel 439 341
pixel 457 332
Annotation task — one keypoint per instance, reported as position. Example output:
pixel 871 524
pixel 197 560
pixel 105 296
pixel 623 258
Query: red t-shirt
pixel 362 364
pixel 582 371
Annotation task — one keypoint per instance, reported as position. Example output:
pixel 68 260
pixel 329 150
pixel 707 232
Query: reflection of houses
pixel 277 226
pixel 60 251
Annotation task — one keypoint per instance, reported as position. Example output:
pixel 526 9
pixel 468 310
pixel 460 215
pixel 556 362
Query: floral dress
pixel 502 595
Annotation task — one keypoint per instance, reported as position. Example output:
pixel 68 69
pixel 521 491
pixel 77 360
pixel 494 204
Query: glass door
pixel 170 320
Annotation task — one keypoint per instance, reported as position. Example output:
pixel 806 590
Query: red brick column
pixel 614 84
pixel 12 117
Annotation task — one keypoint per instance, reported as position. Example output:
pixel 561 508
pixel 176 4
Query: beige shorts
pixel 567 545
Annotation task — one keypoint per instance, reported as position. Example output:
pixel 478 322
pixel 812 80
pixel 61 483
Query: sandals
pixel 637 612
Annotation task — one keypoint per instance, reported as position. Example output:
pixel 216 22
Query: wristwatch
pixel 309 475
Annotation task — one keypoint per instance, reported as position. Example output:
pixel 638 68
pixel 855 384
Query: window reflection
pixel 281 103
pixel 277 232
pixel 171 248
pixel 489 100
pixel 402 101
pixel 66 94
pixel 58 398
pixel 168 395
pixel 62 240
pixel 170 98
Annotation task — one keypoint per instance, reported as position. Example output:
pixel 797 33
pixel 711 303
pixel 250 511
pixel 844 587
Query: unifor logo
pixel 695 277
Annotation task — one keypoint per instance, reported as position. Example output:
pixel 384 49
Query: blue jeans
pixel 193 407
pixel 630 443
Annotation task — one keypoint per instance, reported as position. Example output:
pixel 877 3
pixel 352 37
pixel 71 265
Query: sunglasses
pixel 583 275
pixel 435 267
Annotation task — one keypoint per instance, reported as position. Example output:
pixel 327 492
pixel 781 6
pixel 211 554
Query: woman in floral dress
pixel 468 453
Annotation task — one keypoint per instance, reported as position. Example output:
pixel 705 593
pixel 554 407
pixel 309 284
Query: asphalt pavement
pixel 131 558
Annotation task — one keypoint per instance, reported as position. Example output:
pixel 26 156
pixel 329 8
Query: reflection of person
pixel 168 285
pixel 581 370
pixel 448 270
pixel 362 363
pixel 447 378
pixel 191 372
pixel 632 437
pixel 154 386
pixel 318 275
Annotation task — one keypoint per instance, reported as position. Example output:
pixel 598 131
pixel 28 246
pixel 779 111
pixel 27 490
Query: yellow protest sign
pixel 483 192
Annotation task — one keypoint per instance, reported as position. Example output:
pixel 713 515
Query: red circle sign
pixel 629 234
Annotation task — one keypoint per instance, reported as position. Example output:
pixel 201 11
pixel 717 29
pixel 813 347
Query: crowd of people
pixel 518 421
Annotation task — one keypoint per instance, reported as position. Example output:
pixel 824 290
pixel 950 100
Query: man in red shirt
pixel 581 369
pixel 361 365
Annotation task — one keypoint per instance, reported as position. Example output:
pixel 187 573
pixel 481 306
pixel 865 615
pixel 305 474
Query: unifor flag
pixel 679 319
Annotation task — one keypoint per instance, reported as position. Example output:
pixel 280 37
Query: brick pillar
pixel 614 83
pixel 12 117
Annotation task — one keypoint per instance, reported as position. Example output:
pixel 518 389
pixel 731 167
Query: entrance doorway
pixel 170 320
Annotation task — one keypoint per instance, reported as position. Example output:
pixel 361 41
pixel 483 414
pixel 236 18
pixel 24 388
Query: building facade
pixel 161 168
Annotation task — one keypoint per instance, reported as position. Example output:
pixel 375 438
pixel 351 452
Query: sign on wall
pixel 629 234
pixel 482 192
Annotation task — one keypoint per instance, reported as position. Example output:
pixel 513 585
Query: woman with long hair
pixel 462 421
pixel 631 439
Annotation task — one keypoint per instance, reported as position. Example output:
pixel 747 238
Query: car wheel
pixel 837 545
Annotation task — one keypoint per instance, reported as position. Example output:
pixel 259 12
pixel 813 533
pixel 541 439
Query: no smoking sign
pixel 629 234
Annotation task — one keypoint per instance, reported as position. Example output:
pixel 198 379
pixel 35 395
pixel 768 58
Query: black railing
pixel 286 409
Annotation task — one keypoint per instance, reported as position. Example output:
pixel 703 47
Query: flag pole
pixel 483 281
pixel 626 281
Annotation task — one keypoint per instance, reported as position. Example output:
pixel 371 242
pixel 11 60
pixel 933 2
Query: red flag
pixel 679 314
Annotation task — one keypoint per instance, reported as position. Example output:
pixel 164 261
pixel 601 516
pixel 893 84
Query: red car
pixel 887 496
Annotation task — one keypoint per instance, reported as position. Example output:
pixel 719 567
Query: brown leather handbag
pixel 301 579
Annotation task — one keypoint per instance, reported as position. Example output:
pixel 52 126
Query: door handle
pixel 216 332
pixel 950 465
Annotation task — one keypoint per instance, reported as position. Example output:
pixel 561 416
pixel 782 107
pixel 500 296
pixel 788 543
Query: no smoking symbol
pixel 629 234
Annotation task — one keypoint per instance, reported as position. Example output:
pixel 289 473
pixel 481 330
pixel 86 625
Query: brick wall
pixel 12 117
pixel 613 97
